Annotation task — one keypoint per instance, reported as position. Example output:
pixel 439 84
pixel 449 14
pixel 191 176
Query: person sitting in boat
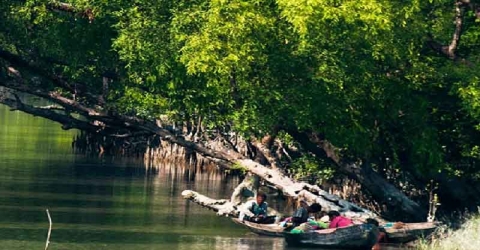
pixel 336 220
pixel 301 215
pixel 301 222
pixel 256 210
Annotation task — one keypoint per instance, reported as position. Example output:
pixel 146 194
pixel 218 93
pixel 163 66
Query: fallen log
pixel 310 193
pixel 223 207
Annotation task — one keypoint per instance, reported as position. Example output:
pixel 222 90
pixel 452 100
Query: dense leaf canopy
pixel 395 82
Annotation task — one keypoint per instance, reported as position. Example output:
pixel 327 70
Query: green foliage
pixel 361 73
pixel 308 167
pixel 238 167
pixel 135 102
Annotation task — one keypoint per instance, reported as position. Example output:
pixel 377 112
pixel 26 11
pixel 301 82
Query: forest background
pixel 384 93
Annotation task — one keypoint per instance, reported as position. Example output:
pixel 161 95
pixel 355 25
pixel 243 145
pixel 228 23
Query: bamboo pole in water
pixel 49 230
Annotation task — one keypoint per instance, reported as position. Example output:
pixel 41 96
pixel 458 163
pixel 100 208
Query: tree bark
pixel 222 207
pixel 248 188
pixel 451 49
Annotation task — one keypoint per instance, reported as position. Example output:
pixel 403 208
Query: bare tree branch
pixel 225 158
pixel 38 70
pixel 49 95
pixel 450 50
pixel 67 121
pixel 265 150
pixel 51 107
pixel 458 31
pixel 66 7
pixel 222 207
pixel 130 134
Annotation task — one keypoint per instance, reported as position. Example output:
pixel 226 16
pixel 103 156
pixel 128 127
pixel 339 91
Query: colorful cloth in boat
pixel 317 224
pixel 296 231
pixel 304 227
pixel 310 225
pixel 340 221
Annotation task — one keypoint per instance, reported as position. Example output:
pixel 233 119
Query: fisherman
pixel 256 210
pixel 301 222
pixel 301 215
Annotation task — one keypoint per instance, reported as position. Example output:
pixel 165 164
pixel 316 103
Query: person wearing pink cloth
pixel 336 220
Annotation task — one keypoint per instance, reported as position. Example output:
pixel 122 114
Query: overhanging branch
pixel 19 62
pixel 48 95
pixel 51 107
pixel 68 122
pixel 450 49
pixel 68 8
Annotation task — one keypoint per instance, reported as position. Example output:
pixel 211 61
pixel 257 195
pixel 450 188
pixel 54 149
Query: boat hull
pixel 356 237
pixel 273 230
pixel 409 232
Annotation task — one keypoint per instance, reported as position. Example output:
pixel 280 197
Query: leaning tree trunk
pixel 398 204
pixel 247 188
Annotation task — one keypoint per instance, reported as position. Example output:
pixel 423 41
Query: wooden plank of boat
pixel 262 229
pixel 409 231
pixel 356 237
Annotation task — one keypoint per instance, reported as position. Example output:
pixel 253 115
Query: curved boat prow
pixel 261 229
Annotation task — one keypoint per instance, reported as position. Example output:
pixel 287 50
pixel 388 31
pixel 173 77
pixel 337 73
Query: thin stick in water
pixel 49 230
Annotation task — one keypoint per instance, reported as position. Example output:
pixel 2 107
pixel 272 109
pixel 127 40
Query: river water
pixel 104 203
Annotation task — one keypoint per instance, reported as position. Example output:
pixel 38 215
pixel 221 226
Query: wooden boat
pixel 406 232
pixel 399 234
pixel 262 229
pixel 356 237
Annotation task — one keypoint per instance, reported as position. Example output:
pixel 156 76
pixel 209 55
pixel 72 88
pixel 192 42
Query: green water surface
pixel 103 203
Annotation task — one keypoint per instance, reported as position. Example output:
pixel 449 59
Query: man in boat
pixel 336 220
pixel 256 210
pixel 301 222
pixel 301 215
